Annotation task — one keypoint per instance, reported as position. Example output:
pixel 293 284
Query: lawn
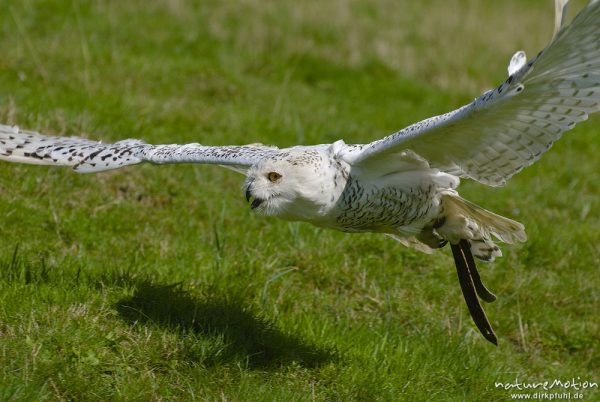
pixel 159 283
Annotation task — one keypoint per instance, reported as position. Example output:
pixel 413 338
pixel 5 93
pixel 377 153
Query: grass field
pixel 156 283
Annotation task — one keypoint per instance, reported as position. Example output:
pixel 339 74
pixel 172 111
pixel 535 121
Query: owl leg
pixel 471 286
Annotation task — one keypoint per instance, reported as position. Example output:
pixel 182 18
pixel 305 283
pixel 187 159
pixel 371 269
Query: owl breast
pixel 367 207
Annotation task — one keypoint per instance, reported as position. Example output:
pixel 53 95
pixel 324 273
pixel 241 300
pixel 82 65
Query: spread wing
pixel 510 127
pixel 87 156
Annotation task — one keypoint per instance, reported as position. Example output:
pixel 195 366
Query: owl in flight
pixel 403 185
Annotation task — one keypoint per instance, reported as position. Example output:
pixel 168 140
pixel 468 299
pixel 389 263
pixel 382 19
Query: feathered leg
pixel 471 286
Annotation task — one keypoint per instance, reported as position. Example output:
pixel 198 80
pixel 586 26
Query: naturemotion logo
pixel 572 384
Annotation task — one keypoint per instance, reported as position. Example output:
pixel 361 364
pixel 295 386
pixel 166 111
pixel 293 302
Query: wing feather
pixel 86 156
pixel 510 127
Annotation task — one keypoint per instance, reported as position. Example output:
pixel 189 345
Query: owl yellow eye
pixel 273 176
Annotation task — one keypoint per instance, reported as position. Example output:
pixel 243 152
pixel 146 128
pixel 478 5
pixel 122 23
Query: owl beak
pixel 248 193
pixel 255 201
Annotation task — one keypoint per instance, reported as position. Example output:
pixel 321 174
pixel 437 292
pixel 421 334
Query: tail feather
pixel 465 220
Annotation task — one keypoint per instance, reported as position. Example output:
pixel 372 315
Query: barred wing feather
pixel 510 127
pixel 87 156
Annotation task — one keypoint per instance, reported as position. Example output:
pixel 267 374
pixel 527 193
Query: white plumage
pixel 403 185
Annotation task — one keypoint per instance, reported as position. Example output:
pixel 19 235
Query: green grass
pixel 156 283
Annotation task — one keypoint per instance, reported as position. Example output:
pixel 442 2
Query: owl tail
pixel 463 220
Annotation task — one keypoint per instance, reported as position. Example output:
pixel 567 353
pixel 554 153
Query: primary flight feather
pixel 403 185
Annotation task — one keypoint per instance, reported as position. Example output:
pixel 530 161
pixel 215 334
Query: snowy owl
pixel 403 185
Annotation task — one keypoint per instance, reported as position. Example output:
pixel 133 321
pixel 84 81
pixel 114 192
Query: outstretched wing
pixel 507 129
pixel 87 156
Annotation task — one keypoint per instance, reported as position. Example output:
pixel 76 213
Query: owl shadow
pixel 216 331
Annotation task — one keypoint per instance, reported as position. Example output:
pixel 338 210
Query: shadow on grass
pixel 235 333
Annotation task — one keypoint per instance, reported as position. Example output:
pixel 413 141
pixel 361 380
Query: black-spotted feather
pixel 86 156
pixel 509 128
